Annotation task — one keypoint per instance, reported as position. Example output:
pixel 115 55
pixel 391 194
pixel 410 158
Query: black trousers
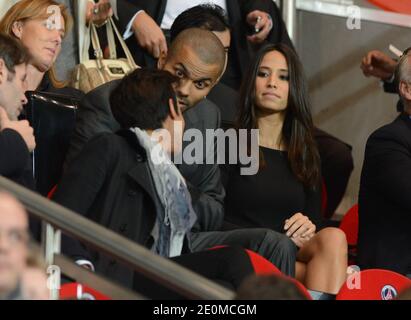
pixel 227 266
pixel 274 246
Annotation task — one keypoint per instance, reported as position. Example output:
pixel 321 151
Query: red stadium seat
pixel 264 267
pixel 51 192
pixel 77 291
pixel 374 284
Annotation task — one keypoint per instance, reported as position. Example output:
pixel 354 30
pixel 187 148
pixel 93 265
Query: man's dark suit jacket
pixel 237 11
pixel 385 199
pixel 94 116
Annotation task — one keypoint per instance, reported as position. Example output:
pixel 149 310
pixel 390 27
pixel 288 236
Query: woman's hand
pixel 299 229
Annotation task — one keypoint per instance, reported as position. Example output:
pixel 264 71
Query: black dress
pixel 270 197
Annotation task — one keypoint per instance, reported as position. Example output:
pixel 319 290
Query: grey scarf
pixel 176 217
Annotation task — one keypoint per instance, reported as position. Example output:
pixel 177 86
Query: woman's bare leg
pixel 325 256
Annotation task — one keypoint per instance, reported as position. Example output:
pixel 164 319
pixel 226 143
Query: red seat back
pixel 374 284
pixel 77 291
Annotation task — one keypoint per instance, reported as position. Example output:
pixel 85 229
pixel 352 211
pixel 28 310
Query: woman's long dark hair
pixel 297 132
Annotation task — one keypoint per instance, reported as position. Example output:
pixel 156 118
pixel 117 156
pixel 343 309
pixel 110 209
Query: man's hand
pixel 22 127
pixel 377 64
pixel 299 229
pixel 262 22
pixel 98 13
pixel 149 35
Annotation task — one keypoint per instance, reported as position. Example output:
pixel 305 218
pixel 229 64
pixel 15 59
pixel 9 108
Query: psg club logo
pixel 388 293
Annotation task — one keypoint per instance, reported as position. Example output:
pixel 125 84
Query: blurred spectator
pixel 16 137
pixel 384 239
pixel 253 22
pixel 34 278
pixel 14 237
pixel 269 287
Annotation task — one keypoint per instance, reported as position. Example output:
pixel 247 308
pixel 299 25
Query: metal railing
pixel 135 256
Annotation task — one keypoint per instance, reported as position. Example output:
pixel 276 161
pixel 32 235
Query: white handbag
pixel 91 73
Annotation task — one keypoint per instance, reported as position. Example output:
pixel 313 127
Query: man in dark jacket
pixel 384 200
pixel 16 137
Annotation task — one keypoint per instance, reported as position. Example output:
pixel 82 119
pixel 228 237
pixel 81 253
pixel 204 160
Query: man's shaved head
pixel 203 43
pixel 197 58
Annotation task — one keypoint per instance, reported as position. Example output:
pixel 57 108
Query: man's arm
pixel 134 20
pixel 79 187
pixel 205 185
pixel 389 161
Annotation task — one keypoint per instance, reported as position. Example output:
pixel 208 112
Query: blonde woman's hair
pixel 32 10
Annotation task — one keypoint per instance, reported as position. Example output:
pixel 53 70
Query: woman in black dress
pixel 285 194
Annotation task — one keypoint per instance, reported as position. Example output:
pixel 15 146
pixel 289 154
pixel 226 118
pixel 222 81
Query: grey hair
pixel 403 73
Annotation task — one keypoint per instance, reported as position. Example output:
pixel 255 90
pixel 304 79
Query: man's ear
pixel 17 29
pixel 161 62
pixel 405 90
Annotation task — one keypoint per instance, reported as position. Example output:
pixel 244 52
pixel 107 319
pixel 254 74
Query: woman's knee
pixel 332 241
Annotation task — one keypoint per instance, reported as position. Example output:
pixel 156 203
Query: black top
pixel 270 197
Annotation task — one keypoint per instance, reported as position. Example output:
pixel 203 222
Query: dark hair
pixel 269 287
pixel 206 16
pixel 297 132
pixel 142 99
pixel 12 52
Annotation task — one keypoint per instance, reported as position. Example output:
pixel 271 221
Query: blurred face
pixel 196 77
pixel 271 84
pixel 42 39
pixel 13 243
pixel 12 89
pixel 34 284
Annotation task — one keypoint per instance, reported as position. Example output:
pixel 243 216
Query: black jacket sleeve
pixel 14 153
pixel 126 11
pixel 80 186
pixel 388 158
